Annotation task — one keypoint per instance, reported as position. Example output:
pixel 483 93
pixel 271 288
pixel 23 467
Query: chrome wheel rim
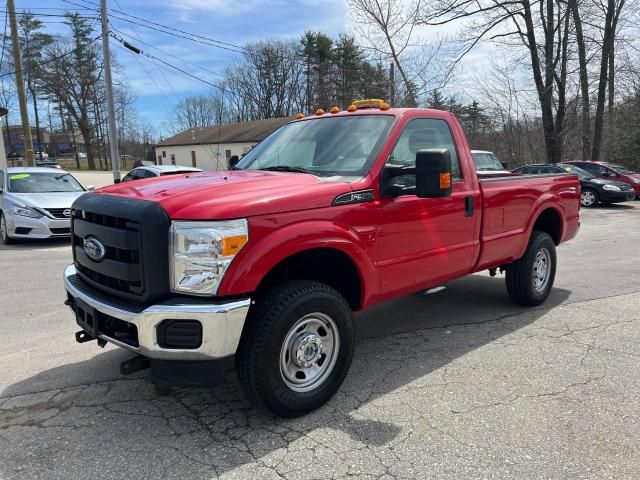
pixel 309 352
pixel 541 270
pixel 588 198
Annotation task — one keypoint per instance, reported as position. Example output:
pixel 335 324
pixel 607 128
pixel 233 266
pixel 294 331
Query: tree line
pixel 65 85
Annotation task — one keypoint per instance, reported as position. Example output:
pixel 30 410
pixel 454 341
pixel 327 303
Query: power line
pixel 212 42
pixel 178 69
pixel 54 58
pixel 31 14
pixel 170 54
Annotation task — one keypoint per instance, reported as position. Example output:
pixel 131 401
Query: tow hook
pixel 134 365
pixel 82 337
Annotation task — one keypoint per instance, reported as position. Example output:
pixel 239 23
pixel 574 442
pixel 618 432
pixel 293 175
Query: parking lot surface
pixel 457 384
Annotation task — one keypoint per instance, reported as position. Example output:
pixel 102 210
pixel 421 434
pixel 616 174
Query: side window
pixel 420 134
pixel 128 177
pixel 592 168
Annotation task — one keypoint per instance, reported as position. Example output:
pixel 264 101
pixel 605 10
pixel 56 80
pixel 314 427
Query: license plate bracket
pixel 87 317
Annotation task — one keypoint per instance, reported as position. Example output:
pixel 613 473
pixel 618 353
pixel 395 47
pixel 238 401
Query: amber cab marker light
pixel 319 111
pixel 352 108
pixel 299 116
pixel 384 106
pixel 335 110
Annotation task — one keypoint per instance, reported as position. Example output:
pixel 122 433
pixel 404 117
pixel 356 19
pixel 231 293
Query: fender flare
pixel 254 263
pixel 545 202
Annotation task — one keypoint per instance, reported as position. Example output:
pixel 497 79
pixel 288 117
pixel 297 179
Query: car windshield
pixel 323 146
pixel 42 182
pixel 487 162
pixel 620 169
pixel 582 174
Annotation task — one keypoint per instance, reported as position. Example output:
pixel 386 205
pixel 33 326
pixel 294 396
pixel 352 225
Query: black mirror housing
pixel 233 161
pixel 433 173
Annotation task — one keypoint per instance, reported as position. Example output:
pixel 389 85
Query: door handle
pixel 468 206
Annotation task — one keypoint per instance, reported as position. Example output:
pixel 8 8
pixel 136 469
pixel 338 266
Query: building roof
pixel 254 131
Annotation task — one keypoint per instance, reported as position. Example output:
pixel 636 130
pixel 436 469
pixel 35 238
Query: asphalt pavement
pixel 456 384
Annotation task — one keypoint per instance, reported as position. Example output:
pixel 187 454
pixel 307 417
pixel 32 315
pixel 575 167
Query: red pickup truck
pixel 264 265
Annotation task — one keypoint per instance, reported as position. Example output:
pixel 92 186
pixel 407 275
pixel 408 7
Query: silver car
pixel 36 202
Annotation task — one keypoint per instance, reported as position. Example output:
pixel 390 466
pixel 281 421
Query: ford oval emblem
pixel 94 248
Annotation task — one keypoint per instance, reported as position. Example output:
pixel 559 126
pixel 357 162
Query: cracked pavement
pixel 458 384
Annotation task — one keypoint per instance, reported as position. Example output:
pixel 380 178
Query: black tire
pixel 591 193
pixel 4 234
pixel 521 285
pixel 269 324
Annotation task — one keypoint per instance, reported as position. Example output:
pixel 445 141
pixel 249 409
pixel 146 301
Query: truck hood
pixel 232 194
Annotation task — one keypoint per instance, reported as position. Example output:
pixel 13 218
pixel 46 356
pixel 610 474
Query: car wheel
pixel 296 348
pixel 4 231
pixel 588 198
pixel 530 279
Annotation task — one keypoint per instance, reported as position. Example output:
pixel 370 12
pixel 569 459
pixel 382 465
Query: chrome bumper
pixel 222 323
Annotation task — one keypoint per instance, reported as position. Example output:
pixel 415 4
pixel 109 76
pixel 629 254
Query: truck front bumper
pixel 140 330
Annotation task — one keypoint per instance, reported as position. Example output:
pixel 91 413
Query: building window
pixel 173 159
pixel 227 154
pixel 164 154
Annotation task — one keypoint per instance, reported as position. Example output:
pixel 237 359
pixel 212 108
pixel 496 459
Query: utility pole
pixel 392 79
pixel 111 111
pixel 22 99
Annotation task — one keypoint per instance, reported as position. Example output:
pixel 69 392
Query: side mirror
pixel 233 161
pixel 433 173
pixel 504 165
pixel 90 188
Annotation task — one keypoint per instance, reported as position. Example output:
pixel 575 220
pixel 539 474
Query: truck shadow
pixel 202 433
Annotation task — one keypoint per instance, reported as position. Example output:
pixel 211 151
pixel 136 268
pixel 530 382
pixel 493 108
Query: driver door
pixel 425 241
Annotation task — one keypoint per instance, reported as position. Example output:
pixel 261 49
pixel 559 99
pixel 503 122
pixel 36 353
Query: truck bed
pixel 510 203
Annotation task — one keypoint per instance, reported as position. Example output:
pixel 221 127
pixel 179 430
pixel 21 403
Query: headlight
pixel 612 188
pixel 201 253
pixel 636 180
pixel 25 211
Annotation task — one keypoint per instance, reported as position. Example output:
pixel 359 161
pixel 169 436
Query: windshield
pixel 582 174
pixel 42 182
pixel 324 146
pixel 487 162
pixel 620 169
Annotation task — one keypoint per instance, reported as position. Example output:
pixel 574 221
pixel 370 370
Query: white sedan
pixel 151 171
pixel 36 202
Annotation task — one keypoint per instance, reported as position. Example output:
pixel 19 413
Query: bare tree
pixel 197 111
pixel 388 27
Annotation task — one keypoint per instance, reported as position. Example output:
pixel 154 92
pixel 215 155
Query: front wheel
pixel 296 348
pixel 588 198
pixel 4 231
pixel 530 279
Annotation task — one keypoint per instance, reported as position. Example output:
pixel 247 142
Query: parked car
pixel 487 162
pixel 151 171
pixel 35 202
pixel 144 163
pixel 593 189
pixel 266 263
pixel 47 164
pixel 610 171
pixel 37 155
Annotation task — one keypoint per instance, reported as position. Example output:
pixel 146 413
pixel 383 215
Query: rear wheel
pixel 530 279
pixel 296 348
pixel 588 198
pixel 4 231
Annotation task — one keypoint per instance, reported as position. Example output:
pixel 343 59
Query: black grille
pixel 185 334
pixel 60 231
pixel 123 226
pixel 59 212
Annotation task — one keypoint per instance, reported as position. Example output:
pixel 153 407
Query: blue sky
pixel 157 88
pixel 237 22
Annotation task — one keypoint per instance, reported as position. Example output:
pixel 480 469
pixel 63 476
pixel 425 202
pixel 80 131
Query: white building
pixel 210 148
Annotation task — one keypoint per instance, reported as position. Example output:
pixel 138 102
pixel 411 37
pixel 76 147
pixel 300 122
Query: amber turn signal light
pixel 334 110
pixel 299 116
pixel 445 181
pixel 320 111
pixel 352 108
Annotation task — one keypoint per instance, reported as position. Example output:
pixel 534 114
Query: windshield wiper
pixel 285 168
